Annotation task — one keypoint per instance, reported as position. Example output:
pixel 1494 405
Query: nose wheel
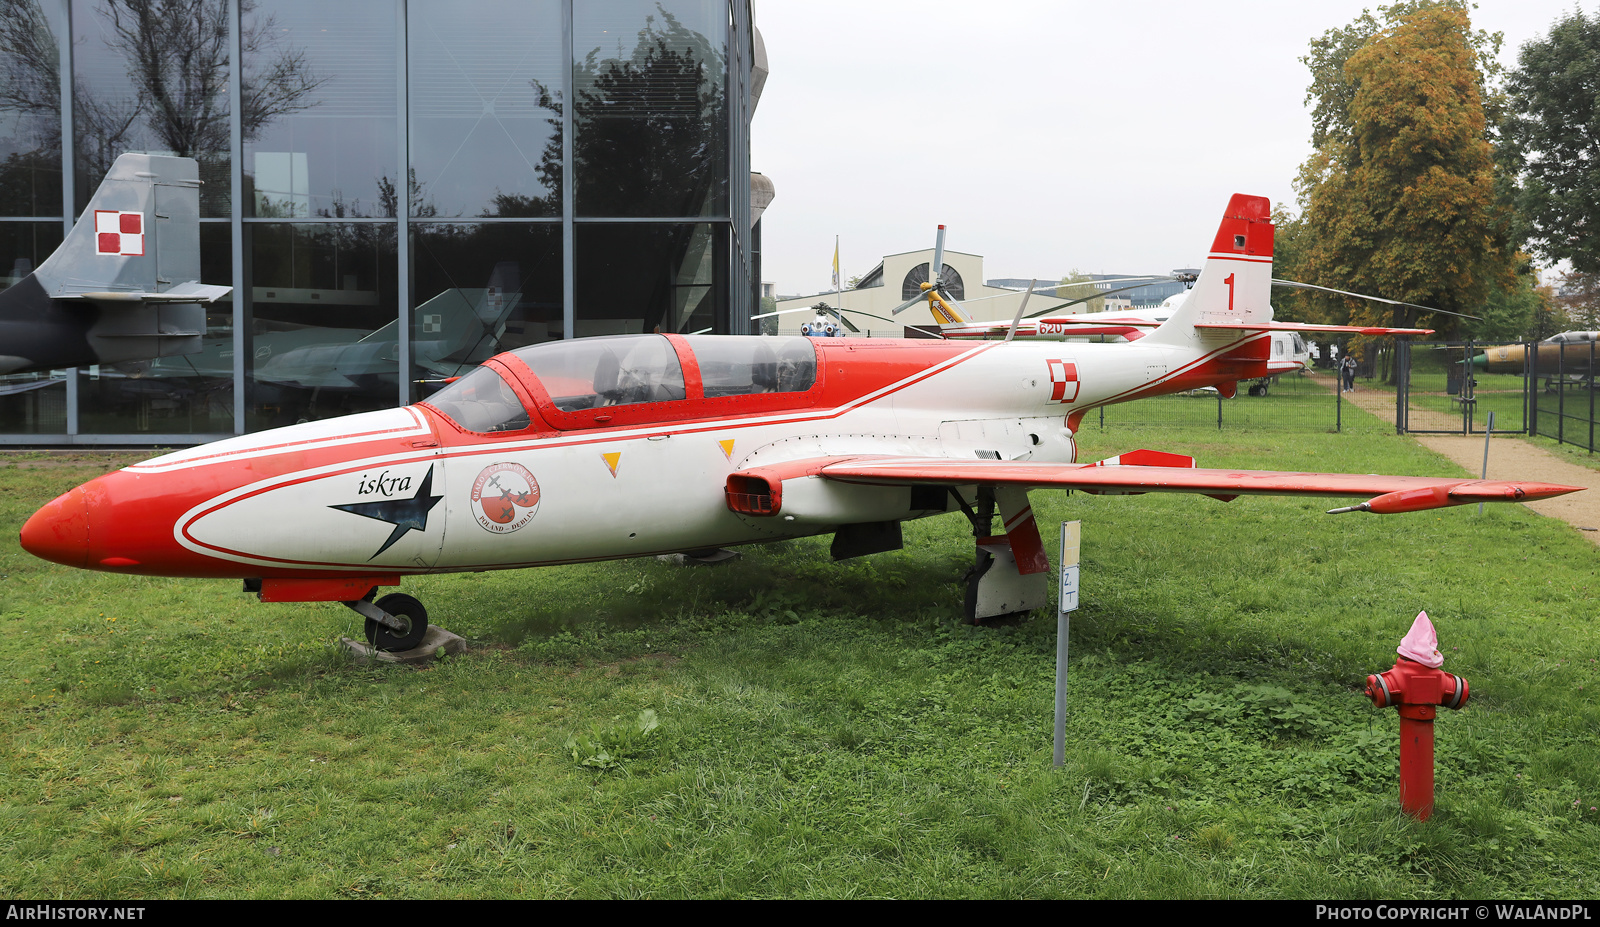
pixel 395 622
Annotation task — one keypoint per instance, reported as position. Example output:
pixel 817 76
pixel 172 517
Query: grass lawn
pixel 783 726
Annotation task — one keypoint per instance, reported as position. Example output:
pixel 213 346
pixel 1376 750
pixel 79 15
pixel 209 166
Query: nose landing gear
pixel 395 622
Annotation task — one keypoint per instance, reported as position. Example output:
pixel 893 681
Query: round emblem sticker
pixel 505 497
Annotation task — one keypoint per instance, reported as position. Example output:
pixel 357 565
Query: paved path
pixel 1510 457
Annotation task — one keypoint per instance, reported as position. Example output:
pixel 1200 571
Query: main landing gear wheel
pixel 411 614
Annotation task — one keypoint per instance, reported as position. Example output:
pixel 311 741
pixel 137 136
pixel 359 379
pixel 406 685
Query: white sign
pixel 1069 566
pixel 1069 588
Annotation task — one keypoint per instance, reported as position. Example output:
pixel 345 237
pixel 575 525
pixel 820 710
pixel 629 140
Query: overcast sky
pixel 1048 135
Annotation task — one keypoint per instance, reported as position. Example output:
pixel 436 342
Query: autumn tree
pixel 1399 198
pixel 1552 141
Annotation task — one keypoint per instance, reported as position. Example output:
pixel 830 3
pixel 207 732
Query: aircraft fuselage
pixel 409 490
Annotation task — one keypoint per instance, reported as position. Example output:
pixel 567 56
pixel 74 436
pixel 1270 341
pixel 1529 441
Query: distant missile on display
pixel 1568 352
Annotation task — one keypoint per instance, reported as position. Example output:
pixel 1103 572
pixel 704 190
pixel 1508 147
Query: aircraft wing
pixel 1137 472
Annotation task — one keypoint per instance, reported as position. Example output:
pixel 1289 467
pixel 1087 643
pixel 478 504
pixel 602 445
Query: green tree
pixel 1512 313
pixel 1399 198
pixel 1552 141
pixel 1081 290
pixel 1289 241
pixel 1577 305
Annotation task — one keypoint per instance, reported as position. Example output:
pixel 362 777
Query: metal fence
pixel 1564 402
pixel 1295 403
pixel 1445 387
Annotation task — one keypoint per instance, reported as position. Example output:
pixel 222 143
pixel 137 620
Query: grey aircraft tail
pixel 124 285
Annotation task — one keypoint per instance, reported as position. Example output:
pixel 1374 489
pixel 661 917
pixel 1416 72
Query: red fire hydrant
pixel 1417 687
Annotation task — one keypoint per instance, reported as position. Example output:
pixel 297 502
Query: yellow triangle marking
pixel 727 449
pixel 612 459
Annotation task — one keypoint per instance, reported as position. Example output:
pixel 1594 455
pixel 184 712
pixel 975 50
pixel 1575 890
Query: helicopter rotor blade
pixel 1018 320
pixel 1142 281
pixel 1097 295
pixel 910 302
pixel 933 331
pixel 768 315
pixel 1377 299
pixel 839 314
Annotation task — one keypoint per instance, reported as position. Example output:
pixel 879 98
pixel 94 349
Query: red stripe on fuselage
pixel 141 506
pixel 1193 375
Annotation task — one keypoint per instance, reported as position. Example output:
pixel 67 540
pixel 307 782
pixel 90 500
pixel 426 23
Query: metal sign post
pixel 1068 602
pixel 1487 433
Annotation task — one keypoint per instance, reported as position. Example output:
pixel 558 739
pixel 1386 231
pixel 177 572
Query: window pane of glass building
pixel 30 403
pixel 319 92
pixel 147 79
pixel 323 333
pixel 187 394
pixel 360 120
pixel 485 90
pixel 650 121
pixel 30 111
pixel 643 277
pixel 479 289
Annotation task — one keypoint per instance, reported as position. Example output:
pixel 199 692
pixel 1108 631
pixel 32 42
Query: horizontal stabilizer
pixel 171 334
pixel 184 293
pixel 1147 458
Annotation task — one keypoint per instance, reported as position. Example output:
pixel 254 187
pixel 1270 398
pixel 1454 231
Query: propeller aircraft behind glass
pixel 634 445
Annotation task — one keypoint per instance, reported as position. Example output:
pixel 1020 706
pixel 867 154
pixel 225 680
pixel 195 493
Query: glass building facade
pixel 396 189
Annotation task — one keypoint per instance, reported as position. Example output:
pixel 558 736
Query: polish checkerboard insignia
pixel 119 233
pixel 1063 381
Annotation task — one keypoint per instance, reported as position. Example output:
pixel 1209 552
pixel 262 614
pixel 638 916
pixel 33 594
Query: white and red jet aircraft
pixel 608 448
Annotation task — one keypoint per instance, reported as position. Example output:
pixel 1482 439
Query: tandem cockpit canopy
pixel 631 371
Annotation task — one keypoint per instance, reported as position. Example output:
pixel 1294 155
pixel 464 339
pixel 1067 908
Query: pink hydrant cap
pixel 1421 643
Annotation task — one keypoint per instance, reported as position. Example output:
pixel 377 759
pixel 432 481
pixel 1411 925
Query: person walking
pixel 1347 374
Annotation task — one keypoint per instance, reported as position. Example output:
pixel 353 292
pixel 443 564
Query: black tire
pixel 408 610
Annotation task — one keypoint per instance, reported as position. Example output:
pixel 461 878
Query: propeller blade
pixel 1018 320
pixel 938 259
pixel 1377 299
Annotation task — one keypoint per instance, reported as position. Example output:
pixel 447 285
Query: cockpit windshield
pixel 590 373
pixel 742 365
pixel 1572 338
pixel 641 374
pixel 481 401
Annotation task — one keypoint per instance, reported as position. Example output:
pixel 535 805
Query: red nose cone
pixel 60 531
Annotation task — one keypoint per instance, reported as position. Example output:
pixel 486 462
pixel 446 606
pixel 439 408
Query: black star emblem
pixel 405 514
